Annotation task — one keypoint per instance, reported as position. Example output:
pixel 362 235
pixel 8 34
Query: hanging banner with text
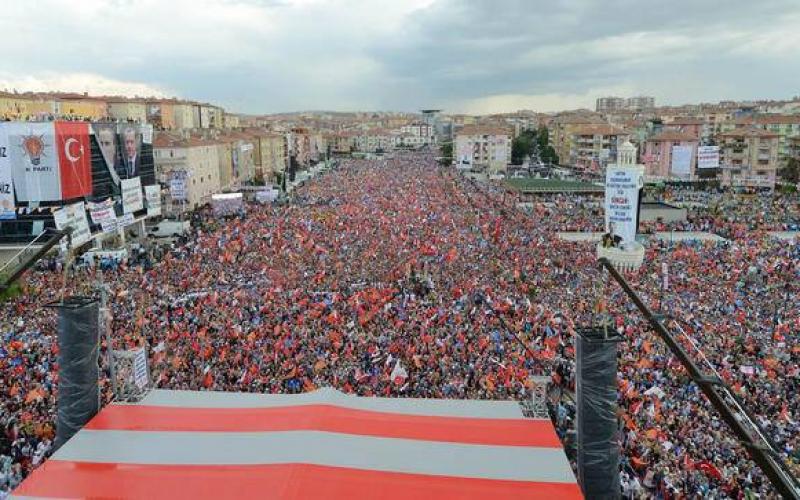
pixel 152 195
pixel 622 200
pixel 132 200
pixel 103 215
pixel 708 157
pixel 74 217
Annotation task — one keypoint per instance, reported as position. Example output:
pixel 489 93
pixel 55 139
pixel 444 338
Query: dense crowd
pixel 400 278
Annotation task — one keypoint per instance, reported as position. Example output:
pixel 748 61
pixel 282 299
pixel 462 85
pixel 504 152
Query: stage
pixel 322 444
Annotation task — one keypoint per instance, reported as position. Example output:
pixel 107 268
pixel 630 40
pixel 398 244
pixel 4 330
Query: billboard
pixel 7 210
pixel 131 140
pixel 681 161
pixel 622 200
pixel 708 157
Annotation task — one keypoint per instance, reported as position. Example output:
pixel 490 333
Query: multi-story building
pixel 343 142
pixel 749 157
pixel 13 106
pixel 195 156
pixel 124 109
pixel 184 116
pixel 482 147
pixel 81 106
pixel 161 113
pixel 374 140
pixel 273 155
pixel 591 147
pixel 786 126
pixel 658 150
pixel 604 104
pixel 561 129
pixel 640 102
pixel 696 127
pixel 242 157
pixel 420 130
pixel 230 120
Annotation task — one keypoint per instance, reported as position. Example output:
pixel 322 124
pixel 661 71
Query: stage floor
pixel 322 444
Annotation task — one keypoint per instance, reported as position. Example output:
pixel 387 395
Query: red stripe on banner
pixel 490 431
pixel 62 479
pixel 74 159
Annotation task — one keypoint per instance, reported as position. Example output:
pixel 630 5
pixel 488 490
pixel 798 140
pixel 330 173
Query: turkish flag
pixel 74 159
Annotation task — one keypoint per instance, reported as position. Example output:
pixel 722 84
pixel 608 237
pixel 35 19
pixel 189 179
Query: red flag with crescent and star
pixel 74 159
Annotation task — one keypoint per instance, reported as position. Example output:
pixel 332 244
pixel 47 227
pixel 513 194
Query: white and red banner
pixel 50 161
pixel 74 158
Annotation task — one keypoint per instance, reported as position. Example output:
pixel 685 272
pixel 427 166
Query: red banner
pixel 74 159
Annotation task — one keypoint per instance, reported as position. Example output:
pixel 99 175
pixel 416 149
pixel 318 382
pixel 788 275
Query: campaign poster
pixel 131 141
pixel 132 200
pixel 7 206
pixel 622 200
pixel 105 135
pixel 152 195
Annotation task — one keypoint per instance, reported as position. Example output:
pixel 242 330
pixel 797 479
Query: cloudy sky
pixel 480 56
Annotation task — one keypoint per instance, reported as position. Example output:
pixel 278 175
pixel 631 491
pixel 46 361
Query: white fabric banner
pixel 74 216
pixel 34 161
pixel 152 195
pixel 6 179
pixel 132 200
pixel 708 157
pixel 102 212
pixel 622 200
pixel 681 161
pixel 177 186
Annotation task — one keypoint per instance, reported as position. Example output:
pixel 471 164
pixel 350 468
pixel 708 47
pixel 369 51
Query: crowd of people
pixel 400 278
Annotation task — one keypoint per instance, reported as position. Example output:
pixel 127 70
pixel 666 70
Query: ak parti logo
pixel 33 145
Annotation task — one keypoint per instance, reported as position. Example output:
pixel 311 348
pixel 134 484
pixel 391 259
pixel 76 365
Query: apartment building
pixel 591 147
pixel 483 147
pixel 123 109
pixel 749 157
pixel 658 154
pixel 195 156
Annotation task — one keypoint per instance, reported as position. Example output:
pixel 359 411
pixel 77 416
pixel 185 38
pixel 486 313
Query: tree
pixel 523 146
pixel 447 154
pixel 791 171
pixel 546 151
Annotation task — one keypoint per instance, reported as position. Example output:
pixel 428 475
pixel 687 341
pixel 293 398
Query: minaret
pixel 626 154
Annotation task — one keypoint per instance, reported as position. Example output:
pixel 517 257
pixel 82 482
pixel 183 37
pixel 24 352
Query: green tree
pixel 523 146
pixel 791 171
pixel 546 151
pixel 447 154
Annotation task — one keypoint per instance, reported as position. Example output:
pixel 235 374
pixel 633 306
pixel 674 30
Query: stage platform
pixel 322 444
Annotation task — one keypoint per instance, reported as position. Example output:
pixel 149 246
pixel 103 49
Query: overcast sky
pixel 262 56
